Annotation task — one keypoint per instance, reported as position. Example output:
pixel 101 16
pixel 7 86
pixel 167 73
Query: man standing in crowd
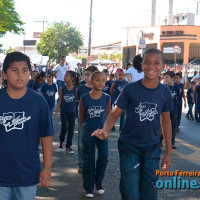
pixel 59 72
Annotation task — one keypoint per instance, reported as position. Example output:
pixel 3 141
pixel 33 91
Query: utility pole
pixel 42 24
pixel 90 31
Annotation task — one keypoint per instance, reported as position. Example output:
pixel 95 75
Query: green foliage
pixel 84 59
pixel 103 56
pixel 9 18
pixel 9 50
pixel 114 56
pixel 60 40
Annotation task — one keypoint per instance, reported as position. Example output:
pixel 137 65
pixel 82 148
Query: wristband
pixel 47 168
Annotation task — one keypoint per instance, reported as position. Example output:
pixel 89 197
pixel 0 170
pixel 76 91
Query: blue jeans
pixel 94 174
pixel 189 114
pixel 18 193
pixel 67 126
pixel 138 167
pixel 60 84
pixel 179 107
pixel 80 149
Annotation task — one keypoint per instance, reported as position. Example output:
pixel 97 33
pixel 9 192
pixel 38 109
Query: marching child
pixel 108 84
pixel 94 107
pixel 146 102
pixel 178 79
pixel 83 89
pixel 190 100
pixel 196 100
pixel 33 78
pixel 49 90
pixel 67 103
pixel 24 122
pixel 175 93
pixel 39 81
pixel 116 89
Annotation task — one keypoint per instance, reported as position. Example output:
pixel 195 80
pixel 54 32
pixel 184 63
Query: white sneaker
pixel 101 191
pixel 60 149
pixel 89 195
pixel 69 150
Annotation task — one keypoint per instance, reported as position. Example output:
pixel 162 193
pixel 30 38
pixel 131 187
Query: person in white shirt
pixel 59 72
pixel 190 73
pixel 135 72
pixel 184 72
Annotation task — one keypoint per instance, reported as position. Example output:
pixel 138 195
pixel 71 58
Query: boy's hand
pixel 166 162
pixel 45 178
pixel 55 115
pixel 101 134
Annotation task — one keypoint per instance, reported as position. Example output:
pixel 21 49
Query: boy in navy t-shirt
pixel 146 102
pixel 179 100
pixel 175 93
pixel 24 121
pixel 190 100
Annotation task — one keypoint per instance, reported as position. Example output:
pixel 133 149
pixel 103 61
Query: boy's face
pixel 34 74
pixel 87 76
pixel 152 66
pixel 17 75
pixel 198 81
pixel 178 79
pixel 192 86
pixel 111 78
pixel 98 82
pixel 168 79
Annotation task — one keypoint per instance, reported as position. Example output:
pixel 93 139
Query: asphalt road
pixel 67 182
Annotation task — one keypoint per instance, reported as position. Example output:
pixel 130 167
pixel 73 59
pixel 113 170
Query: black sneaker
pixel 187 116
pixel 173 146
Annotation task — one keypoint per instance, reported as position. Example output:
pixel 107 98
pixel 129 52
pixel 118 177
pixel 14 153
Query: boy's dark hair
pixel 50 73
pixel 42 74
pixel 192 82
pixel 92 69
pixel 15 57
pixel 171 74
pixel 112 75
pixel 137 61
pixel 179 74
pixel 105 71
pixel 154 51
pixel 97 73
pixel 75 76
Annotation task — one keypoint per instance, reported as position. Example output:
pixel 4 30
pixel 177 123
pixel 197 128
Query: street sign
pixel 29 42
pixel 142 43
pixel 176 49
pixel 168 50
pixel 36 34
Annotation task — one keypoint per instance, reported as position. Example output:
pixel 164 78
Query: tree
pixel 60 40
pixel 10 50
pixel 9 18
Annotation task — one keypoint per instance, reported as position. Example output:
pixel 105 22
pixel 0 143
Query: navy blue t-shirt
pixel 198 93
pixel 83 82
pixel 143 108
pixel 82 90
pixel 190 96
pixel 94 114
pixel 22 123
pixel 68 104
pixel 49 92
pixel 118 88
pixel 30 83
pixel 175 93
pixel 181 90
pixel 38 87
pixel 107 87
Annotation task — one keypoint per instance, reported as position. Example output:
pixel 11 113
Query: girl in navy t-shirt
pixel 116 89
pixel 67 103
pixel 49 90
pixel 39 81
pixel 93 110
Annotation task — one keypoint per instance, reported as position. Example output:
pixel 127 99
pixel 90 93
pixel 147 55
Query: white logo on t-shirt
pixel 69 97
pixel 106 88
pixel 50 93
pixel 12 121
pixel 147 111
pixel 120 88
pixel 173 94
pixel 95 111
